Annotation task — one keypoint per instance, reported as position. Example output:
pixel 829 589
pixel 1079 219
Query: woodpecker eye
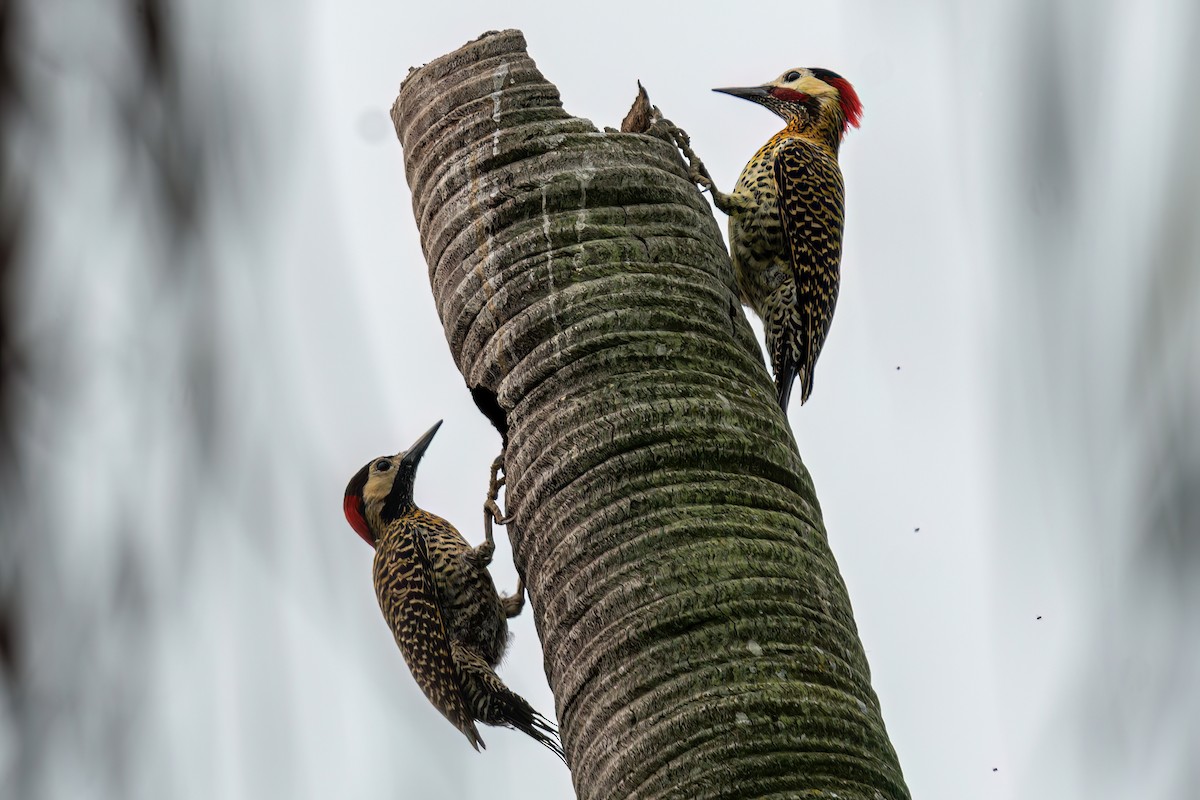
pixel 791 76
pixel 383 465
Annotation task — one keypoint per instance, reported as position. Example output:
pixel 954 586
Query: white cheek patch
pixel 813 87
pixel 377 488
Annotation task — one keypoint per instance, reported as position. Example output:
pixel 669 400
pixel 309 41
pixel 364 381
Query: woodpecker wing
pixel 404 583
pixel 811 211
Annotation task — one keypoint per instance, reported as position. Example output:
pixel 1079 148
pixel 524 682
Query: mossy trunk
pixel 698 636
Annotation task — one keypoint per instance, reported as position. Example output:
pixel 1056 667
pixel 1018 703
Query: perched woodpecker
pixel 439 600
pixel 786 218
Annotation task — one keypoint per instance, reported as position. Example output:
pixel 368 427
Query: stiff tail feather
pixel 493 703
pixel 785 376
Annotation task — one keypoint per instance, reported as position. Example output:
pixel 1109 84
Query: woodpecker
pixel 786 218
pixel 439 600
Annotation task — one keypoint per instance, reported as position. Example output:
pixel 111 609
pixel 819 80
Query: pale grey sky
pixel 983 435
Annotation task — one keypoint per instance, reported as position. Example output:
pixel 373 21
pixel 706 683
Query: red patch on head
pixel 851 106
pixel 788 95
pixel 353 506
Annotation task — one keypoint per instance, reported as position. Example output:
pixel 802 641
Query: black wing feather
pixel 811 211
pixel 408 596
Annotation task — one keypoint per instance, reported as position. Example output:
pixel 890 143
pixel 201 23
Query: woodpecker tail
pixel 783 390
pixel 785 375
pixel 493 703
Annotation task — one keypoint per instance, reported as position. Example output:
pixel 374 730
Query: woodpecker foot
pixel 479 557
pixel 701 179
pixel 513 603
pixel 491 507
pixel 697 172
pixel 661 129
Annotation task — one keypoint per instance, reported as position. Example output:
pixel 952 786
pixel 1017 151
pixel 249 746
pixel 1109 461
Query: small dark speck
pixel 995 769
pixel 916 530
pixel 1039 616
pixel 897 369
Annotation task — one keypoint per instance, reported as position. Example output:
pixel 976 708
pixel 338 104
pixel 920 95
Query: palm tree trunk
pixel 698 636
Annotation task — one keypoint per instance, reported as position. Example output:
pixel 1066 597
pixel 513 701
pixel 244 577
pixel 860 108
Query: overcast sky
pixel 1008 393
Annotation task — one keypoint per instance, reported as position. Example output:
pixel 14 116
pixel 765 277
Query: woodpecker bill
pixel 786 219
pixel 439 600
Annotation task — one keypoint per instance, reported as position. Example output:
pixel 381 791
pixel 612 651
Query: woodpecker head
pixel 807 94
pixel 383 489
